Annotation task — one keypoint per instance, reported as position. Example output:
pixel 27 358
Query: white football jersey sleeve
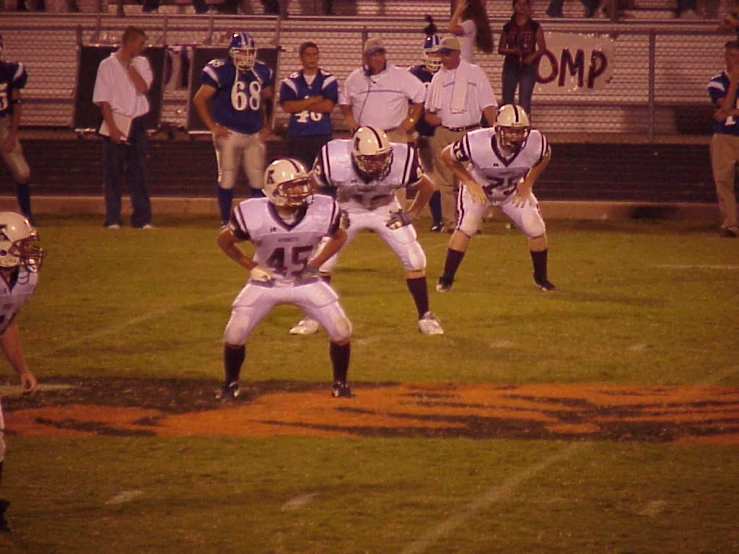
pixel 13 297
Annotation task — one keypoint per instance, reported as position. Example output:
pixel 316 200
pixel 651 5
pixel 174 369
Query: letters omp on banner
pixel 575 63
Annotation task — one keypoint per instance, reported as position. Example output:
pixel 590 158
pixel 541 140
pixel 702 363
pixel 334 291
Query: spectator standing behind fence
pixel 232 102
pixel 13 77
pixel 470 23
pixel 378 94
pixel 425 72
pixel 725 141
pixel 121 85
pixel 308 95
pixel 458 96
pixel 522 43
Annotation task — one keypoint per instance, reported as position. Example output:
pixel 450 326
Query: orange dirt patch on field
pixel 695 414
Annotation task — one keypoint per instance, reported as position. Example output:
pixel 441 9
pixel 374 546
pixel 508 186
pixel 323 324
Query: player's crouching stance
pixel 20 260
pixel 365 173
pixel 285 227
pixel 498 167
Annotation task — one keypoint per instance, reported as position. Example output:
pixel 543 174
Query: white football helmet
pixel 371 152
pixel 19 243
pixel 287 183
pixel 243 50
pixel 512 127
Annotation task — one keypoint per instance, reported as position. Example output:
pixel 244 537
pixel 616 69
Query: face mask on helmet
pixel 287 184
pixel 19 243
pixel 243 51
pixel 431 57
pixel 512 127
pixel 371 152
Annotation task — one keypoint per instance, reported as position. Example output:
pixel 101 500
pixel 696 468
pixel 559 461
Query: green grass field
pixel 641 306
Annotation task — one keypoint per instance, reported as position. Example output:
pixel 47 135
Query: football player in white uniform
pixel 20 260
pixel 285 228
pixel 498 167
pixel 365 172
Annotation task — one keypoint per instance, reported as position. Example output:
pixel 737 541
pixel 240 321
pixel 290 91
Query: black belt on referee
pixel 458 129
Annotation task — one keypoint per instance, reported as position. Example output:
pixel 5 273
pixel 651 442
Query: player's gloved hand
pixel 309 274
pixel 345 221
pixel 520 200
pixel 260 274
pixel 399 219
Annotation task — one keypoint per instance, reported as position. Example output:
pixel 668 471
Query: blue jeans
pixel 523 76
pixel 129 160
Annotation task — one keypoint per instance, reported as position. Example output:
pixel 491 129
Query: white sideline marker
pixel 499 492
pixel 125 496
pixel 298 502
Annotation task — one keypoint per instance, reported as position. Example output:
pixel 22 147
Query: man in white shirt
pixel 378 95
pixel 121 85
pixel 457 98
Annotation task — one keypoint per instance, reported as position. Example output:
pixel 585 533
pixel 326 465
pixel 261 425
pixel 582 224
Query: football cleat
pixel 305 326
pixel 229 392
pixel 545 285
pixel 341 390
pixel 429 325
pixel 4 525
pixel 444 284
pixel 437 228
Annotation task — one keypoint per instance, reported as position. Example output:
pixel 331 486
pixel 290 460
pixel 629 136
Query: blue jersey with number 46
pixel 307 123
pixel 237 103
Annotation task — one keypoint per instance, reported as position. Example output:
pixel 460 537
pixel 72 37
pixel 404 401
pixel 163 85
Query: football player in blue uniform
pixel 13 77
pixel 232 102
pixel 285 228
pixel 308 95
pixel 20 261
pixel 498 166
pixel 425 72
pixel 365 173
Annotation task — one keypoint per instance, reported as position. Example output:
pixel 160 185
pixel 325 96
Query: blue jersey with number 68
pixel 237 103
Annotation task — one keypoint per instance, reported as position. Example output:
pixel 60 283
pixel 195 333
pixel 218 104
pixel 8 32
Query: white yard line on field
pixel 493 495
pixel 696 266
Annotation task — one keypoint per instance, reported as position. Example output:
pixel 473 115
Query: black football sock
pixel 233 359
pixel 23 194
pixel 225 198
pixel 539 260
pixel 451 265
pixel 339 360
pixel 435 207
pixel 420 294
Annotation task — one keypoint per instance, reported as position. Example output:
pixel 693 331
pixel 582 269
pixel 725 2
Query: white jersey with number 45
pixel 497 174
pixel 284 247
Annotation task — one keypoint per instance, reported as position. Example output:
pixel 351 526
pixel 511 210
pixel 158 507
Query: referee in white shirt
pixel 458 96
pixel 379 94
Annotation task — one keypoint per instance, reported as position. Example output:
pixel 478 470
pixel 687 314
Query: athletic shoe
pixel 4 525
pixel 437 228
pixel 229 392
pixel 148 226
pixel 341 390
pixel 444 284
pixel 113 226
pixel 429 325
pixel 728 234
pixel 545 285
pixel 305 326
